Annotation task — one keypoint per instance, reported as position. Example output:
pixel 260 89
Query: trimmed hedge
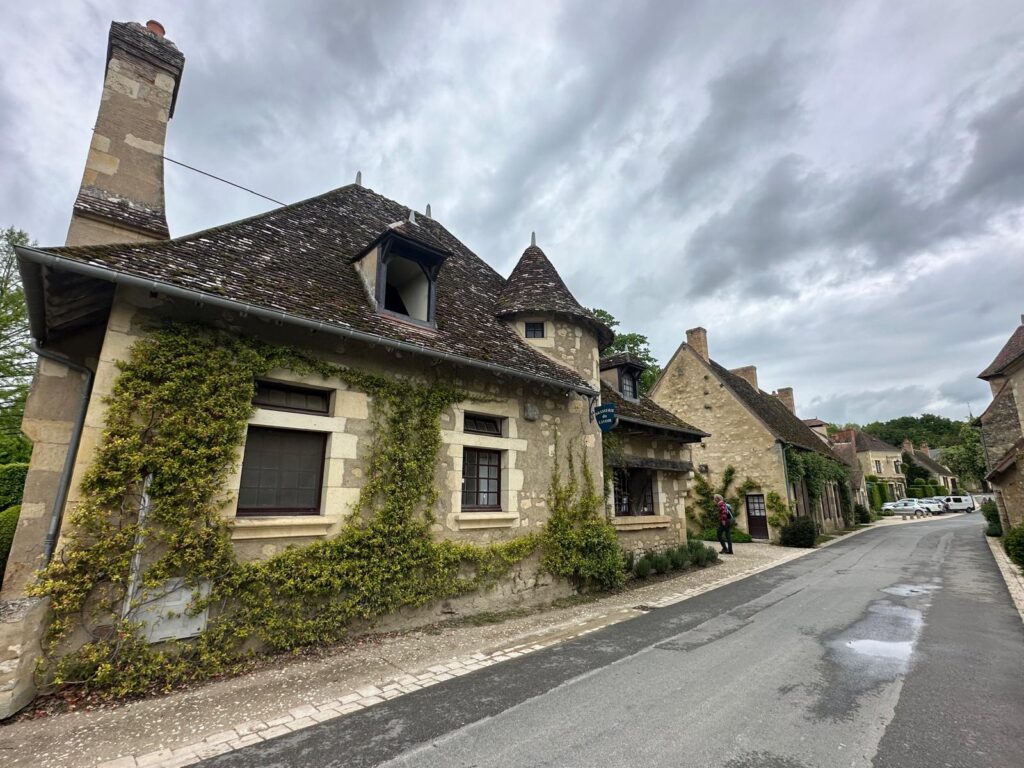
pixel 8 522
pixel 991 513
pixel 12 484
pixel 861 514
pixel 738 536
pixel 799 532
pixel 1013 543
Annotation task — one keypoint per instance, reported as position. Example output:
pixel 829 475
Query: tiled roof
pixel 815 423
pixel 297 260
pixel 847 452
pixel 620 359
pixel 867 442
pixel 646 412
pixel 1012 351
pixel 781 422
pixel 535 286
pixel 926 461
pixel 98 204
pixel 1008 460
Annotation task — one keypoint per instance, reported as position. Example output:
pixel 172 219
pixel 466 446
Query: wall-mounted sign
pixel 605 415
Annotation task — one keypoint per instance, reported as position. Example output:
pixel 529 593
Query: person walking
pixel 725 521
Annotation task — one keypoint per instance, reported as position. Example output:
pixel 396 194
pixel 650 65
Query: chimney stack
pixel 748 373
pixel 122 194
pixel 908 446
pixel 697 339
pixel 785 396
pixel 923 448
pixel 843 436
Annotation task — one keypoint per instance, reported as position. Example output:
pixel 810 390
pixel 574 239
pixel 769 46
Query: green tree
pixel 636 344
pixel 967 458
pixel 16 360
pixel 936 431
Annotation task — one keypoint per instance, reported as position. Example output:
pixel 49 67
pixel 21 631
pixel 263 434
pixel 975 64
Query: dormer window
pixel 406 277
pixel 535 330
pixel 628 385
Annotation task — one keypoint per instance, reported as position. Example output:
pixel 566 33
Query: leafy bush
pixel 991 513
pixel 662 563
pixel 12 484
pixel 861 514
pixel 699 554
pixel 1013 542
pixel 8 522
pixel 643 567
pixel 738 536
pixel 799 532
pixel 680 556
pixel 710 556
pixel 628 561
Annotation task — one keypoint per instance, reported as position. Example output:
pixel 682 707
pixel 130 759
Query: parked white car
pixel 937 503
pixel 892 504
pixel 959 503
pixel 907 505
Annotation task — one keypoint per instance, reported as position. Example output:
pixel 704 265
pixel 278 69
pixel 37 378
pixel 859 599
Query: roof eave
pixel 41 258
pixel 696 435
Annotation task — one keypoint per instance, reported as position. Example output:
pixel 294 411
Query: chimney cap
pixel 156 27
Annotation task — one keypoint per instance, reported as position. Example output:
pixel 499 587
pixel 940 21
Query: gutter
pixel 666 427
pixel 30 259
pixel 57 513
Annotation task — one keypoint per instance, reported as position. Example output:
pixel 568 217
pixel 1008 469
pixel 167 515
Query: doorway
pixel 757 516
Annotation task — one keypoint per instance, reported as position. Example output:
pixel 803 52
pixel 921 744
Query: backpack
pixel 732 517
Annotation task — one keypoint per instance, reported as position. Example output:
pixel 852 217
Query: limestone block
pixel 100 143
pixel 351 404
pixel 101 162
pixel 118 83
pixel 164 82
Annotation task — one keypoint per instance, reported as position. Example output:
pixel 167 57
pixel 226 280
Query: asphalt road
pixel 897 647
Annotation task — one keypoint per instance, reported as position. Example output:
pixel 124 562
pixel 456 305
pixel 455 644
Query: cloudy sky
pixel 834 190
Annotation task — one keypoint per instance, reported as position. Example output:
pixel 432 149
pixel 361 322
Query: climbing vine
pixel 705 512
pixel 817 471
pixel 176 417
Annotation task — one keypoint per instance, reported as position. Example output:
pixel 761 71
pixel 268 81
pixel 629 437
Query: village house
pixel 1001 431
pixel 881 463
pixel 350 278
pixel 649 457
pixel 922 455
pixel 750 431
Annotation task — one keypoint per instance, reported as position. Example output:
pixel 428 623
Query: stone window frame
pixel 476 506
pixel 535 329
pixel 878 466
pixel 323 438
pixel 511 448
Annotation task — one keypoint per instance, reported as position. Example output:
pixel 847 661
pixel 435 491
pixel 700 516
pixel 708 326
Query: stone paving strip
pixel 1011 573
pixel 86 742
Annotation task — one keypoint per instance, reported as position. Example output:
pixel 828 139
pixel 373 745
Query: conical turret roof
pixel 536 286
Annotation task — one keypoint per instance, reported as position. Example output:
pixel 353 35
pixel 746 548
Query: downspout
pixel 57 513
pixel 785 472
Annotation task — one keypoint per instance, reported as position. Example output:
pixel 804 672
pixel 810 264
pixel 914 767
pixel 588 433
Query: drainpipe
pixel 56 514
pixel 785 472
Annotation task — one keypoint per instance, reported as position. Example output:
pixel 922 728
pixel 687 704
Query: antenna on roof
pixel 533 238
pixel 359 178
pixel 412 216
pixel 428 211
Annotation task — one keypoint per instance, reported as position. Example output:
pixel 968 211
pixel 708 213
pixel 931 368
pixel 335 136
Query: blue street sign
pixel 605 415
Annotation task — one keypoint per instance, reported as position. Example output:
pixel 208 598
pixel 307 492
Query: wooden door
pixel 757 516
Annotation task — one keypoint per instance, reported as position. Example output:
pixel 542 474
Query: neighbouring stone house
pixel 923 456
pixel 1001 432
pixel 750 430
pixel 351 278
pixel 877 459
pixel 648 454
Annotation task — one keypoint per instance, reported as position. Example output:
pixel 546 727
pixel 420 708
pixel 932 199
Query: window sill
pixel 641 522
pixel 469 520
pixel 285 527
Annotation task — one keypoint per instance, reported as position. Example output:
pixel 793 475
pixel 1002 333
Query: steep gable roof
pixel 926 461
pixel 868 442
pixel 297 260
pixel 645 412
pixel 536 286
pixel 781 422
pixel 1011 352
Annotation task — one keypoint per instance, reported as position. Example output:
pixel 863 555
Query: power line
pixel 218 178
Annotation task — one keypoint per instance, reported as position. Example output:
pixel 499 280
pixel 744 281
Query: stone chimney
pixel 122 194
pixel 697 339
pixel 748 373
pixel 923 448
pixel 785 395
pixel 908 447
pixel 843 436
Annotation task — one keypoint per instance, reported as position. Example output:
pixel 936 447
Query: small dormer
pixel 400 270
pixel 622 373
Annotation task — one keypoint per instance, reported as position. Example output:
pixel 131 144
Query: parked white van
pixel 959 503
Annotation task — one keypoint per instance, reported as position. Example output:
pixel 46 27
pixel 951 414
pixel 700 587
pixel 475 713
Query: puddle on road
pixel 874 652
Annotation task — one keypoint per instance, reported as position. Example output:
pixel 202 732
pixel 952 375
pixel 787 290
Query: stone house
pixel 648 456
pixel 749 430
pixel 354 279
pixel 923 456
pixel 877 459
pixel 1001 431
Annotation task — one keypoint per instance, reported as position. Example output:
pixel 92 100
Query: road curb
pixel 1011 573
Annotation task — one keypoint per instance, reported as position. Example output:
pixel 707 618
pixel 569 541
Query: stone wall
pixel 888 474
pixel 1000 425
pixel 566 342
pixel 666 528
pixel 690 390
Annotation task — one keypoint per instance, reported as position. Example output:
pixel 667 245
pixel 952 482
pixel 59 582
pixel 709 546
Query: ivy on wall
pixel 816 471
pixel 706 513
pixel 177 415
